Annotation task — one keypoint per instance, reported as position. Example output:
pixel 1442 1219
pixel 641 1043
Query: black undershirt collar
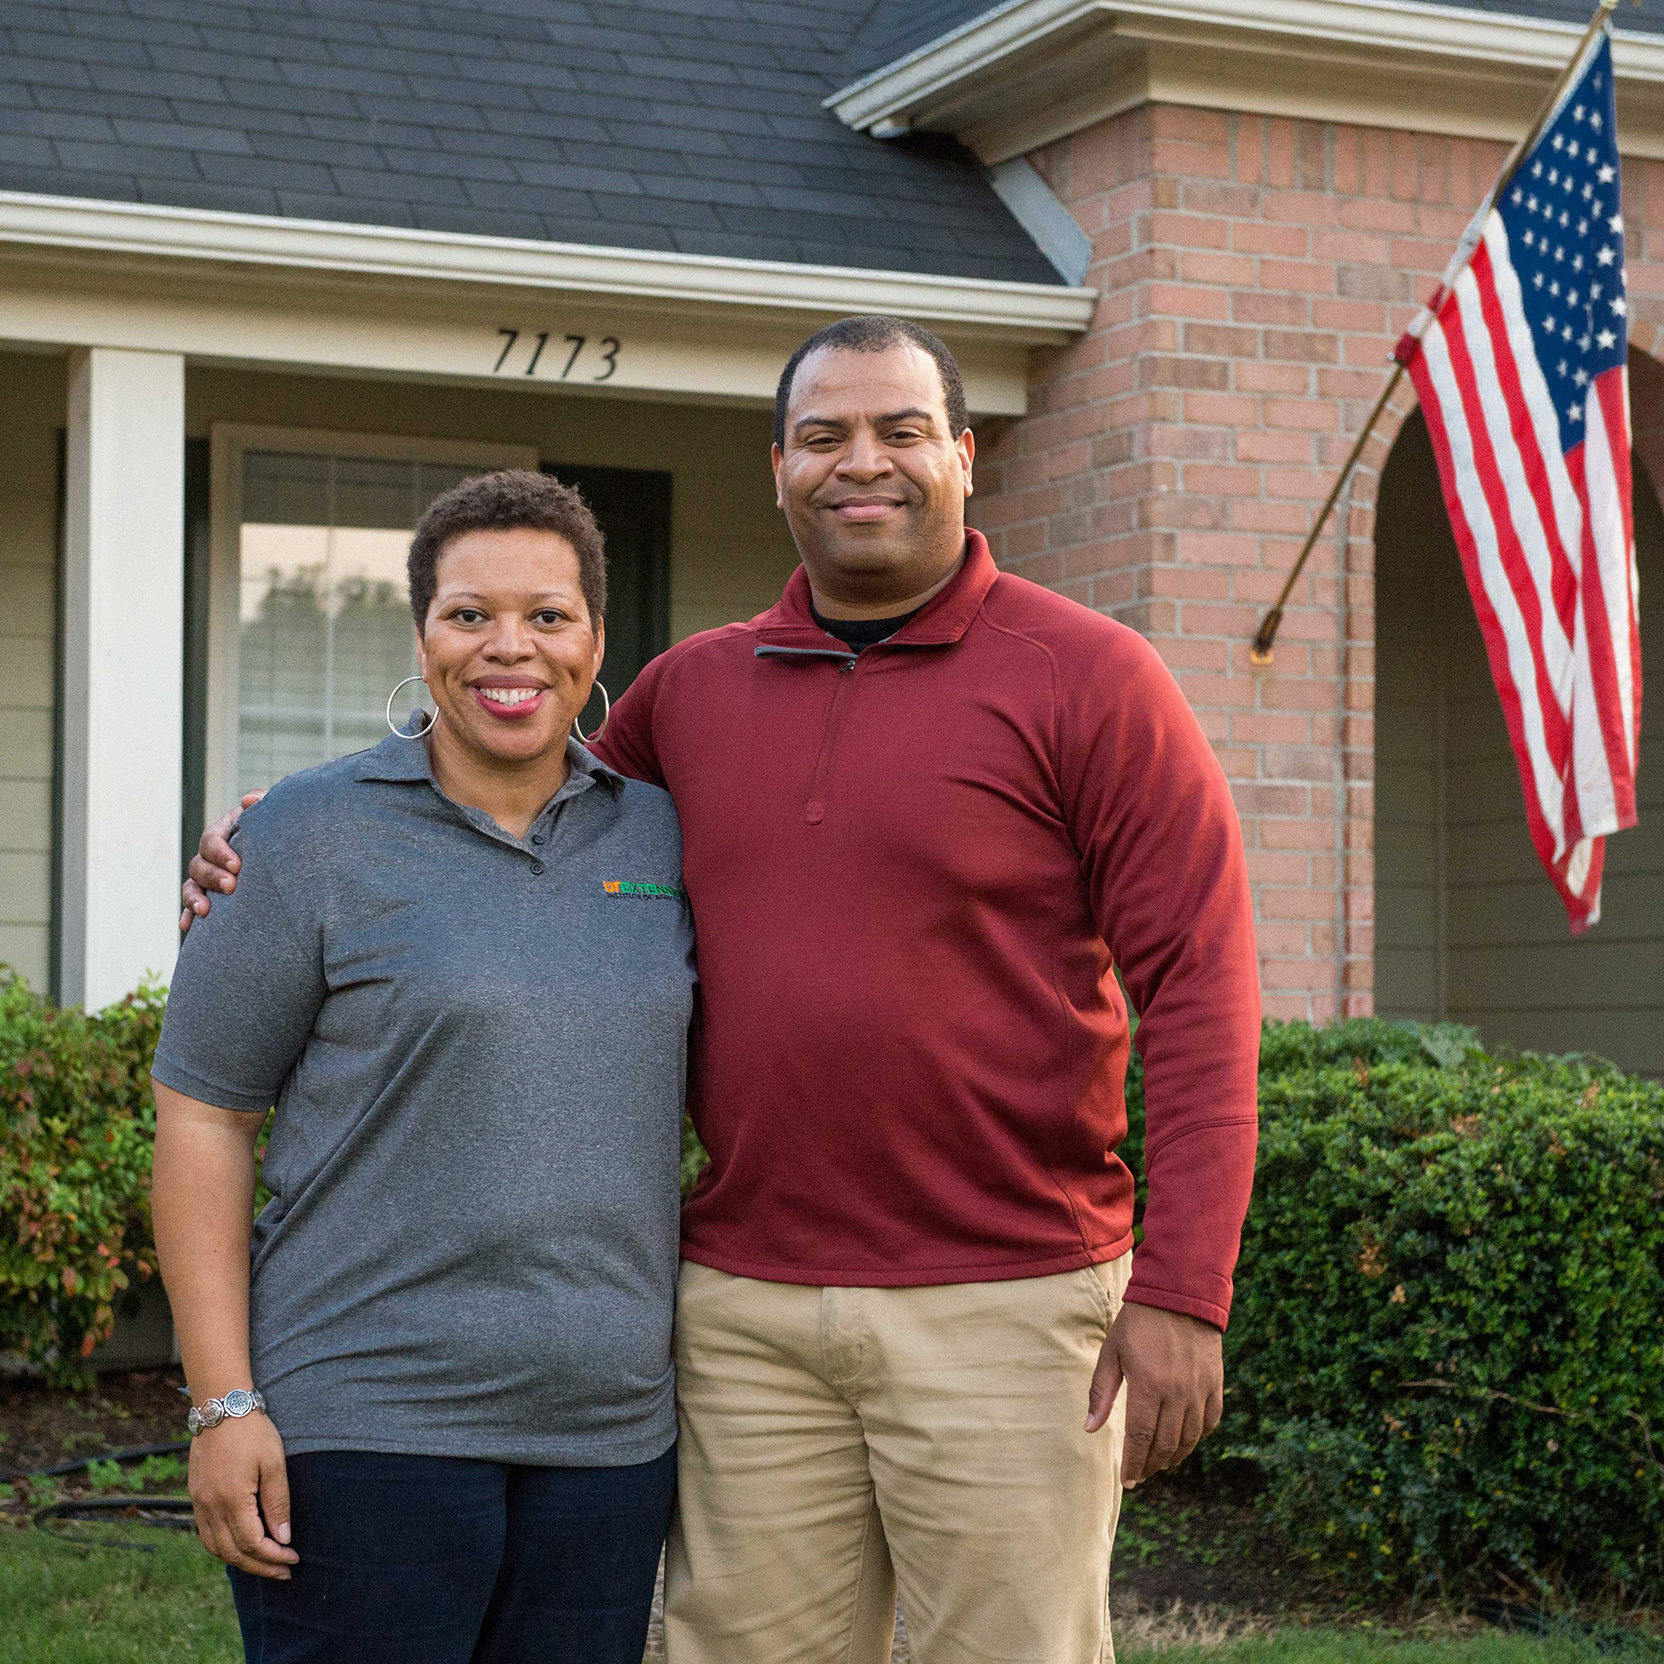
pixel 858 634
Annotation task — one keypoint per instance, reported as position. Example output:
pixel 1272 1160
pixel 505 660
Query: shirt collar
pixel 404 758
pixel 943 619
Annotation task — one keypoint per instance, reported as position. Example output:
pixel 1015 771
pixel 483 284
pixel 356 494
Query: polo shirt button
pixel 537 837
pixel 537 867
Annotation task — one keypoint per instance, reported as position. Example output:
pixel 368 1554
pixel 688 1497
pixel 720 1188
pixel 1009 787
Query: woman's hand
pixel 240 1490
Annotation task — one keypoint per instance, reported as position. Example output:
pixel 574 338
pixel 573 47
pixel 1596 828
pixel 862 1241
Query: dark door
pixel 633 508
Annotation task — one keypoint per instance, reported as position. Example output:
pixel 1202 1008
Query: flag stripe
pixel 1523 542
pixel 1590 805
pixel 1531 413
pixel 1493 598
pixel 1543 501
pixel 1606 563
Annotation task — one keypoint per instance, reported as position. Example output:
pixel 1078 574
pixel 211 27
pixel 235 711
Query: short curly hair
pixel 507 501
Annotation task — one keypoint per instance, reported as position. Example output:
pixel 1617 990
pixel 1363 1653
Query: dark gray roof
pixel 1648 17
pixel 687 125
pixel 892 31
pixel 896 27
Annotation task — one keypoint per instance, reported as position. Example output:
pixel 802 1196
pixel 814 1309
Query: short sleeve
pixel 246 990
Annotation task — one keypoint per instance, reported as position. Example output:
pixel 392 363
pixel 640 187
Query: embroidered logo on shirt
pixel 631 887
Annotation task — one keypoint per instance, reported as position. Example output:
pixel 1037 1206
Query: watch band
pixel 239 1402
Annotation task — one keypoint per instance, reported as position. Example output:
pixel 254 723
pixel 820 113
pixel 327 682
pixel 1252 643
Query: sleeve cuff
pixel 212 1092
pixel 1168 1300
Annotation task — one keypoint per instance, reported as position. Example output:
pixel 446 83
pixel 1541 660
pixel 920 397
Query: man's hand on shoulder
pixel 214 866
pixel 1174 1371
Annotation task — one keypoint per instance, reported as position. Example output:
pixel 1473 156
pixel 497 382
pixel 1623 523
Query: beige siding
pixel 1508 963
pixel 31 414
pixel 730 548
pixel 1408 778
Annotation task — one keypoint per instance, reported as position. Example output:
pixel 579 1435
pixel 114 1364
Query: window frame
pixel 229 444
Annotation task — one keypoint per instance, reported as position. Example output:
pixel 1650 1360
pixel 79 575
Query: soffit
pixel 1032 71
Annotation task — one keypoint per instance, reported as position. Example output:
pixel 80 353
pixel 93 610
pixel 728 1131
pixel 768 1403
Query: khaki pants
pixel 837 1442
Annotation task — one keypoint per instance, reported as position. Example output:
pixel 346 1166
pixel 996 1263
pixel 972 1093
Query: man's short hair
pixel 507 501
pixel 876 333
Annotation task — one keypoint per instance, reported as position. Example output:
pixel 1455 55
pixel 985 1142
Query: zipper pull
pixel 849 665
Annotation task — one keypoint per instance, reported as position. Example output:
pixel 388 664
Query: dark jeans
pixel 435 1560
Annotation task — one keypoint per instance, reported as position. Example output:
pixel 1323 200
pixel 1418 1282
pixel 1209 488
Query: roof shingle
pixel 691 125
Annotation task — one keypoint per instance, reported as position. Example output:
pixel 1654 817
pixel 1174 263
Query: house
pixel 272 273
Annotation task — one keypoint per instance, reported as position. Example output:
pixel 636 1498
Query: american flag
pixel 1519 362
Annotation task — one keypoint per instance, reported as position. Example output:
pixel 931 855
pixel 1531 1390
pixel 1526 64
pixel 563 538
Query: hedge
pixel 1447 1350
pixel 76 1127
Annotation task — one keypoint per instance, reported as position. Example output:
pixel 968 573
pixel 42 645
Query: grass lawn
pixel 65 1605
pixel 1328 1646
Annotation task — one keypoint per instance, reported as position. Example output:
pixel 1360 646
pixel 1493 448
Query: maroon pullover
pixel 912 874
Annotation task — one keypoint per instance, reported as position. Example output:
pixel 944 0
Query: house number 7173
pixel 532 346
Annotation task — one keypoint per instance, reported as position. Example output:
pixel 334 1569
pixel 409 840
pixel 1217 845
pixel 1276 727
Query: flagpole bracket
pixel 1262 652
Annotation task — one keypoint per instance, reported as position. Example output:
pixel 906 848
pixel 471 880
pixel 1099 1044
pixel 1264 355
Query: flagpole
pixel 1263 649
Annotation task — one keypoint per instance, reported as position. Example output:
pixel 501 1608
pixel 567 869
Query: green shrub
pixel 76 1127
pixel 693 1156
pixel 1447 1351
pixel 1289 1046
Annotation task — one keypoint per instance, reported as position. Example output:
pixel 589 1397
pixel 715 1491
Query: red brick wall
pixel 1255 272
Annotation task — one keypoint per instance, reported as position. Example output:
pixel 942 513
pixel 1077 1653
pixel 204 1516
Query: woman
pixel 434 1392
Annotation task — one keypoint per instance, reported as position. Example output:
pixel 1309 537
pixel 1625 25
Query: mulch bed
pixel 1179 1540
pixel 43 1428
pixel 40 1427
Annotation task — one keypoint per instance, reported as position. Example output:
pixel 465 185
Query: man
pixel 928 810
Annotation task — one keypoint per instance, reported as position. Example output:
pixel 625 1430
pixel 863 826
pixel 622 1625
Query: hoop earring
pixel 606 711
pixel 426 728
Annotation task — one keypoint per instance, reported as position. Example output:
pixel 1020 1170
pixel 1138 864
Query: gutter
pixel 1032 313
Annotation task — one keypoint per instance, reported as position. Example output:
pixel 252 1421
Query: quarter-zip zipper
pixel 814 809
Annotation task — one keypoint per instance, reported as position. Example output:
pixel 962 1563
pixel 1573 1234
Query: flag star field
pixel 1566 240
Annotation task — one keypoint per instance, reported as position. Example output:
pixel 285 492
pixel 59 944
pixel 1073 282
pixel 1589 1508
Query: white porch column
pixel 124 535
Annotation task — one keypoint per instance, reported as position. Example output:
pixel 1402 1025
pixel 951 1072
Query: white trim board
pixel 329 325
pixel 1033 313
pixel 1032 71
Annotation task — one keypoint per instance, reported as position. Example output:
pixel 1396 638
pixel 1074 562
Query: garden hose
pixel 173 1513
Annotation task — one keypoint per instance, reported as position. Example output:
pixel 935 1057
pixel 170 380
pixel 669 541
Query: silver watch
pixel 237 1403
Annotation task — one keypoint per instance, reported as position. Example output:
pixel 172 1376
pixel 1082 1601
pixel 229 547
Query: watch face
pixel 239 1402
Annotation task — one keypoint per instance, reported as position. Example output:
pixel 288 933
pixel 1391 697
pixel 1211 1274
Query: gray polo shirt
pixel 477 1046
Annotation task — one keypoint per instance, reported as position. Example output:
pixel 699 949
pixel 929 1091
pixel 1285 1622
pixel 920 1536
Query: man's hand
pixel 240 1488
pixel 214 866
pixel 1174 1369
